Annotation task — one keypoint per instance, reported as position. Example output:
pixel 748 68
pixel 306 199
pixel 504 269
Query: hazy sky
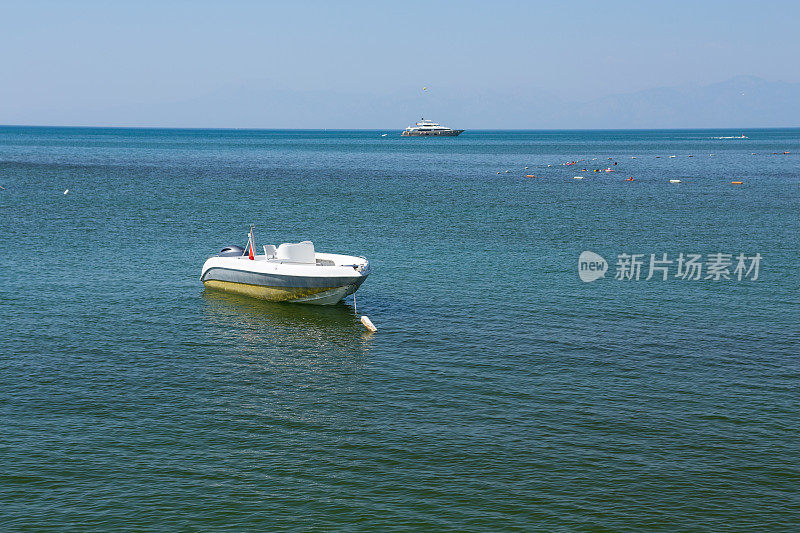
pixel 160 63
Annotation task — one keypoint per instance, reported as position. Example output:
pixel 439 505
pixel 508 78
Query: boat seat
pixel 301 252
pixel 269 251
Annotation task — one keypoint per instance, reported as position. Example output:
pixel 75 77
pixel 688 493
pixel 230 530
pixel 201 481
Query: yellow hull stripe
pixel 274 294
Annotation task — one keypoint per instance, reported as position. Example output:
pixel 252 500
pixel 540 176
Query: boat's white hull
pixel 286 282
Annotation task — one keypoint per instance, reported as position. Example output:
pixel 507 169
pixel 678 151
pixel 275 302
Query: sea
pixel 652 385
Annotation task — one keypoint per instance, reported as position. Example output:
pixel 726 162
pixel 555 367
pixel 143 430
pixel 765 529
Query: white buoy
pixel 65 192
pixel 364 319
pixel 368 323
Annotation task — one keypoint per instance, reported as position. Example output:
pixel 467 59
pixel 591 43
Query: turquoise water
pixel 500 392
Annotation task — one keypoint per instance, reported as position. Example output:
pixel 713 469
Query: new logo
pixel 591 266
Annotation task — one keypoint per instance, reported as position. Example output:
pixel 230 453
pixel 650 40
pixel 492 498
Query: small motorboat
pixel 292 272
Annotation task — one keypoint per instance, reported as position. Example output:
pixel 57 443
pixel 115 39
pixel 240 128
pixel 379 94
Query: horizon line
pixel 232 128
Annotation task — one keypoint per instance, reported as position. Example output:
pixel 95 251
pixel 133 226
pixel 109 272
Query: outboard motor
pixel 231 251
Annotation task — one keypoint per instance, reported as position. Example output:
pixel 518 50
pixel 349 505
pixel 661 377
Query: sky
pixel 310 64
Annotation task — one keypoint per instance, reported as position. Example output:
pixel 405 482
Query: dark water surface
pixel 501 392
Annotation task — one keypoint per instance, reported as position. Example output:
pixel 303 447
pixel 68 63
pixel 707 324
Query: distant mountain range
pixel 740 102
pixel 743 101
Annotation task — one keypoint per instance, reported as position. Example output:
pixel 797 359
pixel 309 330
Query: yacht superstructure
pixel 429 128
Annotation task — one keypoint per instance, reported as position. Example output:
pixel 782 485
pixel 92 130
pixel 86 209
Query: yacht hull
pixel 449 133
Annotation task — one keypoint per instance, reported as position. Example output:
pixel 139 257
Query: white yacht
pixel 292 272
pixel 429 127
